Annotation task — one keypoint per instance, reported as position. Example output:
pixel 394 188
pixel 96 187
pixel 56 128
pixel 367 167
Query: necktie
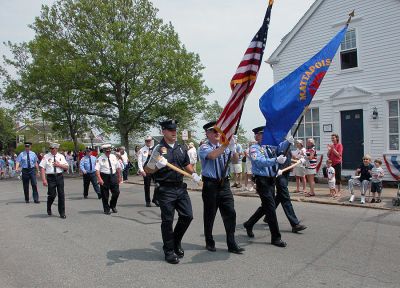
pixel 109 163
pixel 55 168
pixel 90 163
pixel 28 160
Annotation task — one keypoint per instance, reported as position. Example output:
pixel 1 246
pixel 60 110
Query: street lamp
pixel 91 136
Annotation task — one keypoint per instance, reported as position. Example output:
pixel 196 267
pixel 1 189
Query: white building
pixel 359 98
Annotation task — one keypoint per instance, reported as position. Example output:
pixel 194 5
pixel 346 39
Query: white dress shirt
pixel 103 166
pixel 48 160
pixel 142 156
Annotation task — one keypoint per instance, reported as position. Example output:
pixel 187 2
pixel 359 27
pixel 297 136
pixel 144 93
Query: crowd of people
pixel 266 170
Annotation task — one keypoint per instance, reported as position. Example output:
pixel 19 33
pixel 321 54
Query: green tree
pixel 7 134
pixel 212 113
pixel 137 70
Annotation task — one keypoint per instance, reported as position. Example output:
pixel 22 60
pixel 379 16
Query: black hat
pixel 209 125
pixel 169 124
pixel 258 129
pixel 28 143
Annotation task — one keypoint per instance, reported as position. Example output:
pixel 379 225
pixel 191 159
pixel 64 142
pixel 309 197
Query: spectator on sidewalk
pixel 248 175
pixel 300 170
pixel 331 178
pixel 376 181
pixel 335 152
pixel 125 162
pixel 192 153
pixel 363 174
pixel 237 163
pixel 311 165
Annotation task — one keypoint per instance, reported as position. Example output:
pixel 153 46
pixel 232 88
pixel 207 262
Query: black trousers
pixel 266 191
pixel 87 179
pixel 56 188
pixel 125 173
pixel 147 184
pixel 29 175
pixel 283 197
pixel 110 184
pixel 173 198
pixel 216 196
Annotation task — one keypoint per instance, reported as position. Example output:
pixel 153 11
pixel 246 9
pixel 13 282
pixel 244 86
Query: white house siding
pixel 372 84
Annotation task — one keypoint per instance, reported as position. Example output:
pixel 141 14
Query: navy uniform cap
pixel 258 129
pixel 169 124
pixel 209 125
pixel 28 143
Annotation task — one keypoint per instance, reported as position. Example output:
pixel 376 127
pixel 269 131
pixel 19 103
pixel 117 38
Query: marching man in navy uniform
pixel 27 161
pixel 172 193
pixel 88 168
pixel 265 167
pixel 216 192
pixel 143 157
pixel 109 175
pixel 52 167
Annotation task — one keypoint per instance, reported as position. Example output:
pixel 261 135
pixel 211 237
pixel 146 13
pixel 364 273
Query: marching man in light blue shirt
pixel 88 168
pixel 27 161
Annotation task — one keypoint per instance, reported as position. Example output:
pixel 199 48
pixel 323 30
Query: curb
pixel 297 199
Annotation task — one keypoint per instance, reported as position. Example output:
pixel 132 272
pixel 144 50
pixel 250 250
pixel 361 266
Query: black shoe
pixel 211 247
pixel 148 204
pixel 49 212
pixel 236 249
pixel 249 230
pixel 85 196
pixel 373 200
pixel 156 203
pixel 179 251
pixel 36 201
pixel 298 228
pixel 98 196
pixel 171 258
pixel 114 210
pixel 279 243
pixel 62 216
pixel 107 212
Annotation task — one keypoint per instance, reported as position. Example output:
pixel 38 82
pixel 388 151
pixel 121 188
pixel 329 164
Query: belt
pixel 108 174
pixel 53 174
pixel 28 168
pixel 310 167
pixel 170 184
pixel 264 177
pixel 214 180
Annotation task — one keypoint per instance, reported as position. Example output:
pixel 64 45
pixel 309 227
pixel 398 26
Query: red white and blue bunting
pixel 393 165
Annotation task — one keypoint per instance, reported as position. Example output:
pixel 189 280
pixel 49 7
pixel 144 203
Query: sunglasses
pixel 365 159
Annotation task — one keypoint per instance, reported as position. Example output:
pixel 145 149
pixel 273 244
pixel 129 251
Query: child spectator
pixel 3 167
pixel 363 174
pixel 376 180
pixel 331 178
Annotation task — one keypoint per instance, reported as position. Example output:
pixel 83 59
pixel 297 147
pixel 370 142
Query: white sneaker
pixel 352 198
pixel 251 189
pixel 362 199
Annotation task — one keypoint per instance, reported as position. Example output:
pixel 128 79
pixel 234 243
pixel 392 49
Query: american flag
pixel 243 81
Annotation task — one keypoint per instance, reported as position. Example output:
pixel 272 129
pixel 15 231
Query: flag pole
pixel 351 14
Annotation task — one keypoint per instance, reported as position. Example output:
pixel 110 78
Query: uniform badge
pixel 103 160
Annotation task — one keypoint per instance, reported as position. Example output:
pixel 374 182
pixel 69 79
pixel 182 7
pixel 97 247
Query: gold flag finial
pixel 350 16
pixel 270 2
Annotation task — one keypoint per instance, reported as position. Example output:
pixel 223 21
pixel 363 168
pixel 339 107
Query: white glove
pixel 196 178
pixel 303 161
pixel 161 163
pixel 281 159
pixel 290 139
pixel 279 173
pixel 232 145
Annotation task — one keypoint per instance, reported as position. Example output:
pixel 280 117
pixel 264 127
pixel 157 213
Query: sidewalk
pixel 321 195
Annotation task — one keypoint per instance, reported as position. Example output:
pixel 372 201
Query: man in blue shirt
pixel 216 192
pixel 27 162
pixel 265 167
pixel 88 168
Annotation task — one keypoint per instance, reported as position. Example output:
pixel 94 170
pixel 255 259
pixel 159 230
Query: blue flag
pixel 284 102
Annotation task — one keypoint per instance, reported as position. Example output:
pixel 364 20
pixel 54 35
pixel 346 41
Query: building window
pixel 348 51
pixel 394 116
pixel 21 138
pixel 309 128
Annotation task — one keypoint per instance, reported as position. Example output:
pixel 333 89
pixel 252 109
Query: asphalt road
pixel 342 247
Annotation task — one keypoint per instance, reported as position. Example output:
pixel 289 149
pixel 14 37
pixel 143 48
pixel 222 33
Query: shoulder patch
pixel 204 146
pixel 254 156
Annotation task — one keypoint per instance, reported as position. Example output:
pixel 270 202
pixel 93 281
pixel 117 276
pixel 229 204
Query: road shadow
pixel 91 212
pixel 143 254
pixel 132 205
pixel 39 216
